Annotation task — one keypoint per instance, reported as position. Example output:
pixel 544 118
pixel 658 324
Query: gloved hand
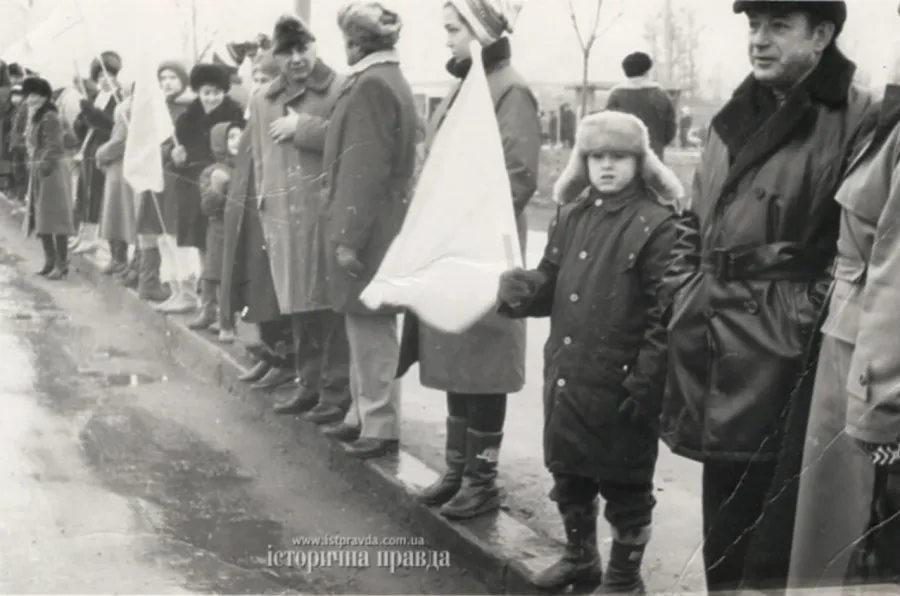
pixel 631 411
pixel 349 261
pixel 884 456
pixel 514 286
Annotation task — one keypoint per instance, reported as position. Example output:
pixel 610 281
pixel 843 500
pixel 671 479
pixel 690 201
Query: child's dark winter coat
pixel 213 183
pixel 600 282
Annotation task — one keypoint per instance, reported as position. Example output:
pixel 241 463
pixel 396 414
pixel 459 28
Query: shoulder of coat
pixel 505 79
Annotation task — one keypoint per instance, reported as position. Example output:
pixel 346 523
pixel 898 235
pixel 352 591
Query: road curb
pixel 500 550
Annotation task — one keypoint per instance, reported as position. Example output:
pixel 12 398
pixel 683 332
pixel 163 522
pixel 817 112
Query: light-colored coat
pixel 490 357
pixel 117 219
pixel 288 178
pixel 48 203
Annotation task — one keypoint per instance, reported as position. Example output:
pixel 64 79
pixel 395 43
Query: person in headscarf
pixel 93 128
pixel 247 285
pixel 479 368
pixel 370 161
pixel 288 119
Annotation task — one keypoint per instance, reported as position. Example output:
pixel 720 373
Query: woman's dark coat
pixel 192 130
pixel 49 205
pixel 93 127
pixel 369 162
pixel 600 282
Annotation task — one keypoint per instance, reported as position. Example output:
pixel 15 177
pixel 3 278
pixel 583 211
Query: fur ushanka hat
pixel 621 132
pixel 37 86
pixel 290 33
pixel 112 63
pixel 210 74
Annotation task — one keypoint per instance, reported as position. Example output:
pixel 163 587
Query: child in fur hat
pixel 601 283
pixel 214 180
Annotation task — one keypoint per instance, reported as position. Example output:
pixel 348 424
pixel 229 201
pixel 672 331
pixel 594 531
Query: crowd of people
pixel 746 322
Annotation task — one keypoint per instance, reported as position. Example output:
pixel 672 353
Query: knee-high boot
pixel 479 493
pixel 446 487
pixel 129 275
pixel 149 286
pixel 580 564
pixel 49 253
pixel 208 306
pixel 118 257
pixel 61 265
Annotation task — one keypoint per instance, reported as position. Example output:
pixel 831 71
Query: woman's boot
pixel 61 267
pixel 208 310
pixel 256 373
pixel 149 286
pixel 118 257
pixel 129 276
pixel 455 455
pixel 479 493
pixel 580 564
pixel 182 300
pixel 49 253
pixel 623 574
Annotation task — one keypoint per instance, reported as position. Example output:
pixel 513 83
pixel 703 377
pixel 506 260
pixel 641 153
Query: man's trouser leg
pixel 374 355
pixel 734 496
pixel 322 354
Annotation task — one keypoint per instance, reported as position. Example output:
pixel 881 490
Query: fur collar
pixel 753 126
pixel 641 82
pixel 320 79
pixel 493 56
pixel 373 59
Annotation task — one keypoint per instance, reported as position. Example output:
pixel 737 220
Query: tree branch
pixel 581 42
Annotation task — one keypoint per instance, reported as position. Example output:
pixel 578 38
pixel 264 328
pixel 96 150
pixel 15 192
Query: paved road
pixel 122 473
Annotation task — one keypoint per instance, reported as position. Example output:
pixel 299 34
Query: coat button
pixel 709 312
pixel 561 383
pixel 567 341
pixel 752 306
pixel 598 202
pixel 864 379
pixel 582 255
pixel 573 298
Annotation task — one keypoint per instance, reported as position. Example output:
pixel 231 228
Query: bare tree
pixel 673 35
pixel 586 39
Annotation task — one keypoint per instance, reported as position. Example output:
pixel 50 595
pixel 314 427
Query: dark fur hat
pixel 291 32
pixel 210 74
pixel 636 64
pixel 37 86
pixel 827 10
pixel 15 69
pixel 112 63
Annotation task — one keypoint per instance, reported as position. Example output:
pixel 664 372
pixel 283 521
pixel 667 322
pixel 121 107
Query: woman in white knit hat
pixel 479 368
pixel 601 284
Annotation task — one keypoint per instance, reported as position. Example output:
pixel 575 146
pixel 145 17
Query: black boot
pixel 149 286
pixel 61 266
pixel 129 277
pixel 623 574
pixel 479 493
pixel 49 254
pixel 208 303
pixel 118 257
pixel 580 564
pixel 455 455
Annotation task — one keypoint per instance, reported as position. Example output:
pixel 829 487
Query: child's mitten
pixel 514 286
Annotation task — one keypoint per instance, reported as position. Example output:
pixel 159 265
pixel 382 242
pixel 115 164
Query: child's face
pixel 234 138
pixel 211 97
pixel 611 171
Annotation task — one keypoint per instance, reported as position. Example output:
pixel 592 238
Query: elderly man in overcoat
pixel 750 283
pixel 288 119
pixel 370 156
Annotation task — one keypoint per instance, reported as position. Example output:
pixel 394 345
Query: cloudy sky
pixel 545 46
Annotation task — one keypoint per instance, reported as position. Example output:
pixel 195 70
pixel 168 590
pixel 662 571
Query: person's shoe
pixel 149 286
pixel 304 400
pixel 275 378
pixel 203 320
pixel 479 493
pixel 58 273
pixel 450 481
pixel 325 414
pixel 579 566
pixel 47 268
pixel 180 303
pixel 367 448
pixel 342 432
pixel 214 327
pixel 623 573
pixel 256 373
pixel 226 336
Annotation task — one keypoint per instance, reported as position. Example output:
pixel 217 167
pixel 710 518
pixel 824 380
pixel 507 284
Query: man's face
pixel 170 83
pixel 784 46
pixel 297 65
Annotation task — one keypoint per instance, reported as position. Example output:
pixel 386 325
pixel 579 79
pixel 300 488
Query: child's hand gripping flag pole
pixel 460 233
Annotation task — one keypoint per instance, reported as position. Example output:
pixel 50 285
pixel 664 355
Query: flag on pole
pixel 460 233
pixel 150 126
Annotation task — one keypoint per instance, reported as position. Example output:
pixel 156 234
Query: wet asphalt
pixel 121 472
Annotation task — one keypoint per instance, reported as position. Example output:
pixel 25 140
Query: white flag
pixel 460 233
pixel 149 127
